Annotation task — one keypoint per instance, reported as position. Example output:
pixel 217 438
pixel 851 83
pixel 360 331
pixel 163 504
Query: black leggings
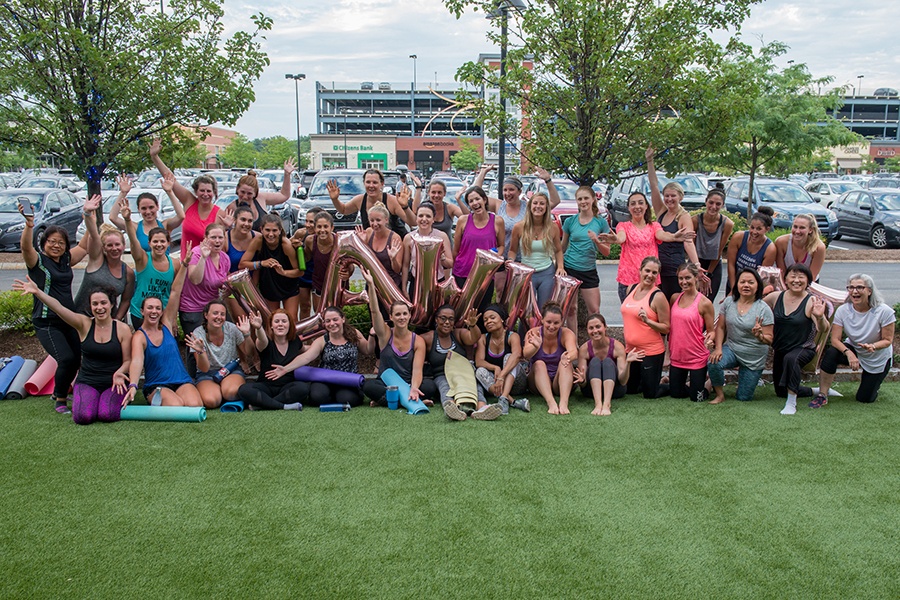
pixel 322 393
pixel 62 342
pixel 786 371
pixel 604 370
pixel 678 378
pixel 868 383
pixel 374 389
pixel 264 394
pixel 189 322
pixel 669 285
pixel 645 377
pixel 715 278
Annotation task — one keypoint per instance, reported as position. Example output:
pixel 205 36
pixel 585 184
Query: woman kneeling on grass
pixel 603 366
pixel 275 388
pixel 216 345
pixel 645 319
pixel 552 349
pixel 746 322
pixel 500 370
pixel 105 353
pixel 155 351
pixel 866 325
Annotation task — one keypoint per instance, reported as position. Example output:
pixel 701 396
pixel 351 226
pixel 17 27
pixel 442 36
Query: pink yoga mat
pixel 41 383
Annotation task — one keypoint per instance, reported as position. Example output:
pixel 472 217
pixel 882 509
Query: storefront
pixel 430 154
pixel 359 152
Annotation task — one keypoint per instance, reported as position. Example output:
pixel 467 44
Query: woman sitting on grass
pixel 154 274
pixel 275 388
pixel 603 366
pixel 692 334
pixel 866 325
pixel 500 370
pixel 216 345
pixel 645 319
pixel 552 350
pixel 746 323
pixel 105 353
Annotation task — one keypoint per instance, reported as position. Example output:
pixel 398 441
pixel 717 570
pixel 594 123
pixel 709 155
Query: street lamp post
pixel 502 11
pixel 413 99
pixel 859 86
pixel 344 112
pixel 297 79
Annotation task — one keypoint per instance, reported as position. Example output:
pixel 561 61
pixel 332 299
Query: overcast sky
pixel 371 40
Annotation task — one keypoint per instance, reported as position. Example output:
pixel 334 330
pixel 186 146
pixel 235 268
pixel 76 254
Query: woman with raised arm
pixel 692 335
pixel 479 230
pixel 645 320
pixel 444 212
pixel 273 261
pixel 154 274
pixel 553 352
pixel 277 343
pixel 713 231
pixel 603 366
pixel 401 350
pixel 249 196
pixel 751 249
pixel 318 248
pixel 386 245
pixel 105 353
pixel 798 315
pixel 105 267
pixel 51 270
pixel 148 207
pixel 425 221
pixel 155 352
pixel 861 337
pixel 672 218
pixel 536 244
pixel 746 323
pixel 801 246
pixel 499 367
pixel 398 206
pixel 580 243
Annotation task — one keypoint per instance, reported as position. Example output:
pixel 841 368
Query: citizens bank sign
pixel 338 147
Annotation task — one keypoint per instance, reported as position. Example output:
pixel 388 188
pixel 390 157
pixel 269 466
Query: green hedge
pixel 15 312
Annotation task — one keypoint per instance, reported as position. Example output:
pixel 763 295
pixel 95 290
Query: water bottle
pixel 226 371
pixel 392 395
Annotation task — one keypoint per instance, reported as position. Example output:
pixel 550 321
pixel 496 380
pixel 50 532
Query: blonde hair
pixel 812 239
pixel 107 230
pixel 380 208
pixel 549 236
pixel 589 190
pixel 676 187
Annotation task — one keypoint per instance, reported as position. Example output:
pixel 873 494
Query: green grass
pixel 664 499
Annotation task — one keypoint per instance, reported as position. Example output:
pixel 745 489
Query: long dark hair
pixel 350 332
pixel 735 294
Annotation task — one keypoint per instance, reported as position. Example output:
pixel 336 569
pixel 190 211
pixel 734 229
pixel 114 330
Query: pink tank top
pixel 687 346
pixel 639 244
pixel 193 229
pixel 473 239
pixel 637 333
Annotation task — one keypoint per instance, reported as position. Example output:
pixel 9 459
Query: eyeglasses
pixel 444 318
pixel 55 242
pixel 856 288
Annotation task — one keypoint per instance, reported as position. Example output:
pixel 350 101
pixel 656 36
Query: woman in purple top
pixel 603 366
pixel 552 349
pixel 479 230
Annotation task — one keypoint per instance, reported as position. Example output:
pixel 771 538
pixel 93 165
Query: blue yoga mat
pixel 9 373
pixel 390 377
pixel 17 388
pixel 188 414
pixel 235 406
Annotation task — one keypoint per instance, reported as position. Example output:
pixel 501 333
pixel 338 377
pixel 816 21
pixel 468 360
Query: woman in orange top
pixel 645 316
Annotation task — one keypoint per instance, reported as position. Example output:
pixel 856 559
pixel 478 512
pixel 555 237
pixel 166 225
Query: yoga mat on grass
pixel 42 377
pixel 342 378
pixel 390 377
pixel 17 387
pixel 8 373
pixel 186 414
pixel 235 406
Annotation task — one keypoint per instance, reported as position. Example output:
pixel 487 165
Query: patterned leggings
pixel 90 405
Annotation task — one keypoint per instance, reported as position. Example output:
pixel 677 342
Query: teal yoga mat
pixel 417 407
pixel 8 373
pixel 235 406
pixel 17 387
pixel 187 414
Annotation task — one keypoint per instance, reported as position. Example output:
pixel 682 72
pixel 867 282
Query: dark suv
pixel 786 198
pixel 694 193
pixel 350 182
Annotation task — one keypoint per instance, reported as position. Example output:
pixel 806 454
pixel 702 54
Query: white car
pixel 166 210
pixel 827 191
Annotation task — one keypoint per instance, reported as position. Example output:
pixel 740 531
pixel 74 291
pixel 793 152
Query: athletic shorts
pixel 590 280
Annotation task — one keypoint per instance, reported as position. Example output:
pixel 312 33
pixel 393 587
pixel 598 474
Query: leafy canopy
pixel 468 158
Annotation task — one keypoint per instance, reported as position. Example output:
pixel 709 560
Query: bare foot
pixel 606 412
pixel 597 411
pixel 563 409
pixel 553 409
pixel 428 402
pixel 718 399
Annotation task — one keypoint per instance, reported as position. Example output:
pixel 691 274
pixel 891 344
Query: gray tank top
pixel 708 243
pixel 509 222
pixel 102 277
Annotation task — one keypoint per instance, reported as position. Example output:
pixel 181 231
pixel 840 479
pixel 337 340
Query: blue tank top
pixel 142 237
pixel 162 364
pixel 746 260
pixel 234 254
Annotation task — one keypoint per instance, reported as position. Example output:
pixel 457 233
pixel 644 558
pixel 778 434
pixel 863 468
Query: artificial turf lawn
pixel 666 498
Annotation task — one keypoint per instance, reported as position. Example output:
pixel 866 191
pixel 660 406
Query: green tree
pixel 273 151
pixel 892 164
pixel 608 78
pixel 181 148
pixel 15 157
pixel 468 158
pixel 241 152
pixel 86 81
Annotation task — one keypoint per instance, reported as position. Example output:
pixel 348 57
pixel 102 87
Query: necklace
pixel 745 310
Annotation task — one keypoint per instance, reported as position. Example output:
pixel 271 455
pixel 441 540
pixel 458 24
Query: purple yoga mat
pixel 350 380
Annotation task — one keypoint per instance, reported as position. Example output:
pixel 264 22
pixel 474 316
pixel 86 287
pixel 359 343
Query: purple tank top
pixel 610 354
pixel 320 262
pixel 474 239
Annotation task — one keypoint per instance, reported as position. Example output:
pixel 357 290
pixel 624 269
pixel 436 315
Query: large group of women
pixel 669 273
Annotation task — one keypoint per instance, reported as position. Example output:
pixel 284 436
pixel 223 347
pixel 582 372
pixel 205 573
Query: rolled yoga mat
pixel 17 387
pixel 235 406
pixel 187 414
pixel 42 377
pixel 342 378
pixel 390 377
pixel 8 374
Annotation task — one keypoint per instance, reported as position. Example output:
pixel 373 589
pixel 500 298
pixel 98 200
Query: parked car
pixel 306 178
pixel 883 182
pixel 50 181
pixel 51 207
pixel 827 191
pixel 870 214
pixel 786 198
pixel 286 210
pixel 166 210
pixel 823 175
pixel 147 178
pixel 350 182
pixel 694 194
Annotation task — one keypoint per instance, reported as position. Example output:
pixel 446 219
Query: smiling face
pixel 55 245
pixel 148 210
pixel 334 322
pixel 714 204
pixel 101 307
pixel 281 324
pixel 492 321
pixel 747 285
pixel 538 207
pixel 272 234
pixel 243 222
pixel 585 201
pixel 400 316
pixel 796 281
pixel 596 329
pixel 216 238
pixel 686 280
pixel 311 221
pixel 475 202
pixel 158 244
pixel 649 273
pixel 372 184
pixel 246 194
pixel 552 322
pixel 511 193
pixel 443 321
pixel 637 206
pixel 757 231
pixel 800 229
pixel 672 199
pixel 205 193
pixel 376 221
pixel 436 193
pixel 215 316
pixel 324 229
pixel 152 310
pixel 113 246
pixel 859 293
pixel 424 219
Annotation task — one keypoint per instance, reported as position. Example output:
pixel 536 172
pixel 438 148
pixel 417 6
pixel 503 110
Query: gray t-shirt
pixel 219 356
pixel 865 328
pixel 739 332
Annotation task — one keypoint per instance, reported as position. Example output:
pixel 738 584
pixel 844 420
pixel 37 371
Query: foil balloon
pixel 565 291
pixel 532 313
pixel 447 292
pixel 246 293
pixel 353 249
pixel 349 298
pixel 311 327
pixel 427 252
pixel 832 297
pixel 515 298
pixel 772 279
pixel 479 280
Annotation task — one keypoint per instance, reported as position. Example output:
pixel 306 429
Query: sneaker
pixel 62 408
pixel 522 404
pixel 452 411
pixel 702 396
pixel 503 401
pixel 487 413
pixel 819 401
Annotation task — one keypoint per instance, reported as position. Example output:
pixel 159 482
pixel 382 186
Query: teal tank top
pixel 151 282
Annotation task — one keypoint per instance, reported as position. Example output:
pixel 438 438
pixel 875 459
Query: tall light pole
pixel 297 79
pixel 502 11
pixel 344 112
pixel 859 81
pixel 413 98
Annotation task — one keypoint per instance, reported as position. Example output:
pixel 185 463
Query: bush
pixel 15 312
pixel 897 312
pixel 359 317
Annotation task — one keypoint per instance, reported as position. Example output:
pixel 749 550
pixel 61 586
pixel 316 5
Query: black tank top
pixel 402 364
pixel 396 224
pixel 273 286
pixel 794 330
pixel 496 360
pixel 270 356
pixel 385 259
pixel 437 355
pixel 100 361
pixel 671 254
